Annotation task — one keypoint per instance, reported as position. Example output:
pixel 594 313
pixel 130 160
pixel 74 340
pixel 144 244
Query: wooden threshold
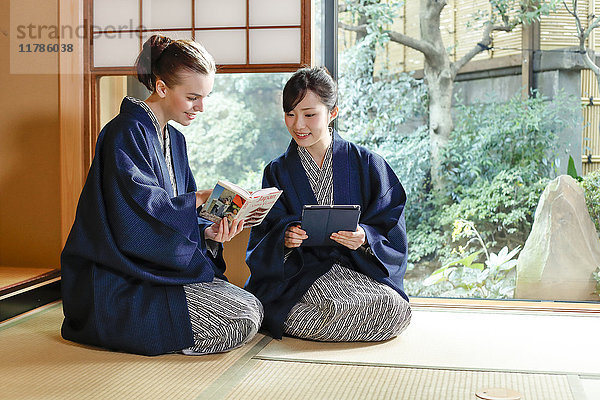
pixel 506 305
pixel 29 298
pixel 26 278
pixel 34 288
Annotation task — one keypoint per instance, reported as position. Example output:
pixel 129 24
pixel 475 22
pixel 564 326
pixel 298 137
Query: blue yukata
pixel 137 242
pixel 292 282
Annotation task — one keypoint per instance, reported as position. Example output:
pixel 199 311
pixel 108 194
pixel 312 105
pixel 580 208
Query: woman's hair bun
pixel 164 58
pixel 148 57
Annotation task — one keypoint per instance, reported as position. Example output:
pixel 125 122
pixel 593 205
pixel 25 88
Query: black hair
pixel 163 58
pixel 317 80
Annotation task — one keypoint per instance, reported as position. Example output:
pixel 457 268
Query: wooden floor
pixel 444 354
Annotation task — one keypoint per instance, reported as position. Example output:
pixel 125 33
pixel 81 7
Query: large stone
pixel 562 251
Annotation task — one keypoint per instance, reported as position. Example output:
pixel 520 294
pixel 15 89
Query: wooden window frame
pixel 247 67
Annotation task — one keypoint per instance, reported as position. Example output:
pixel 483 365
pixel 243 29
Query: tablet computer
pixel 320 221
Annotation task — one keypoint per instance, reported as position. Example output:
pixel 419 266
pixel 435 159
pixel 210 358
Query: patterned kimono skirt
pixel 223 316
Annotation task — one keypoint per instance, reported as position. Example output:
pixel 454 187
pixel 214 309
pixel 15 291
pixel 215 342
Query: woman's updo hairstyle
pixel 163 58
pixel 317 80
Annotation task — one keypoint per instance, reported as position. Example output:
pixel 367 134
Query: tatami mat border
pixel 234 374
pixel 417 366
pixel 29 314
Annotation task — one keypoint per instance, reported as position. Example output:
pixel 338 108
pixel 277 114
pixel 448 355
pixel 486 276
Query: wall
pixel 234 253
pixel 29 151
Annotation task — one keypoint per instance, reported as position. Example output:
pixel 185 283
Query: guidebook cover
pixel 230 201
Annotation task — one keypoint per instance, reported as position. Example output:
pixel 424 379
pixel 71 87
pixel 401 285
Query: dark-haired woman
pixel 350 292
pixel 141 273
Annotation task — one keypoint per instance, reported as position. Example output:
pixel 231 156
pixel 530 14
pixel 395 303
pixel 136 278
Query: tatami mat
pixel 310 381
pixel 38 364
pixel 500 341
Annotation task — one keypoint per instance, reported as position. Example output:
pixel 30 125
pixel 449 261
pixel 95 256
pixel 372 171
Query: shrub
pixel 591 188
pixel 502 208
pixel 495 278
pixel 494 137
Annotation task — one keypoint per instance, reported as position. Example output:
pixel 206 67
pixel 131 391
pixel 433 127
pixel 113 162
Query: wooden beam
pixel 530 43
pixel 71 113
pixel 305 32
pixel 505 305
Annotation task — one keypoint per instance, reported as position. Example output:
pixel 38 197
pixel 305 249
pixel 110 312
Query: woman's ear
pixel 160 88
pixel 333 113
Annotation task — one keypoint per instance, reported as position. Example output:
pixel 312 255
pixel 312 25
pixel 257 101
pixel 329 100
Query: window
pixel 242 35
pixel 464 242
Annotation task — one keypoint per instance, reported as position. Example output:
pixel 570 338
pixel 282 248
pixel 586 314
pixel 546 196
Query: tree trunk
pixel 440 83
pixel 440 123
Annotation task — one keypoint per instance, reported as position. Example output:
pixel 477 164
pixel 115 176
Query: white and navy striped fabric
pixel 346 306
pixel 223 316
pixel 343 304
pixel 321 179
pixel 164 139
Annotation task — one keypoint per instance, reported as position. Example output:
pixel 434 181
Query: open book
pixel 232 202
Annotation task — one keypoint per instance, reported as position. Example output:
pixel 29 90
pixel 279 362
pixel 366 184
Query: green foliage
pixel 515 12
pixel 408 155
pixel 494 279
pixel 572 171
pixel 239 132
pixel 493 137
pixel 503 208
pixel 591 188
pixel 374 105
pixel 376 14
pixel 375 112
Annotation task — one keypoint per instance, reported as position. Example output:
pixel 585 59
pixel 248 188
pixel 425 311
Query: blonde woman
pixel 141 272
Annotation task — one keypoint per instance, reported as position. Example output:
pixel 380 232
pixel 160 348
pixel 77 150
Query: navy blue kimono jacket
pixel 359 177
pixel 134 244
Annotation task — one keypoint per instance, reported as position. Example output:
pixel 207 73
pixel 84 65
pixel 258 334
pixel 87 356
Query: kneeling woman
pixel 141 272
pixel 351 292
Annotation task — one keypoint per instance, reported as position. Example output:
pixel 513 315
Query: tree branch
pixel 353 28
pixel 590 28
pixel 591 64
pixel 580 30
pixel 484 44
pixel 583 35
pixel 567 8
pixel 419 45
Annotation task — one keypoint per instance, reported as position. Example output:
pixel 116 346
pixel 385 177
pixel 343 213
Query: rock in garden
pixel 563 250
